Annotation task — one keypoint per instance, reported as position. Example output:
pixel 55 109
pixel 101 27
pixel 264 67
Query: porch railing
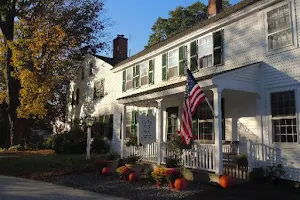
pixel 147 152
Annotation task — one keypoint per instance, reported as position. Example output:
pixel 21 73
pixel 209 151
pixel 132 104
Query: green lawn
pixel 43 166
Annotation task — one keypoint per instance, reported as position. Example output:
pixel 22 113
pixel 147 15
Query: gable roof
pixel 109 60
pixel 233 9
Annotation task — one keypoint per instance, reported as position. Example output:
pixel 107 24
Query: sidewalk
pixel 12 188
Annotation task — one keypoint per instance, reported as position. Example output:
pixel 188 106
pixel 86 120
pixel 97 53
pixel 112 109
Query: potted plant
pixel 242 161
pixel 123 172
pixel 274 173
pixel 112 160
pixel 158 175
pixel 172 162
pixel 171 175
pixel 132 164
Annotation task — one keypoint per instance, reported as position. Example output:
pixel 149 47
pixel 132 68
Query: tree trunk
pixel 12 84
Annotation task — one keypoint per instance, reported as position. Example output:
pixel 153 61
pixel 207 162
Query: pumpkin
pixel 225 181
pixel 106 171
pixel 180 184
pixel 132 177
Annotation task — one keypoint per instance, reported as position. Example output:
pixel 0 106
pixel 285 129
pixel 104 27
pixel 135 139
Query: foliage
pixel 274 173
pixel 49 143
pixel 257 174
pixel 123 171
pixel 175 144
pixel 172 162
pixel 99 145
pixel 45 42
pixel 158 174
pixel 171 175
pixel 110 156
pixel 34 141
pixel 179 19
pixel 242 161
pixel 17 147
pixel 132 141
pixel 133 159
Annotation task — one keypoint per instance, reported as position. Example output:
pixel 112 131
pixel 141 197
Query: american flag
pixel 193 97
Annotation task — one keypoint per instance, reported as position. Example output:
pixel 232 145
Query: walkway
pixel 12 188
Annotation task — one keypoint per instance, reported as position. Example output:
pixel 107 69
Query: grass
pixel 43 166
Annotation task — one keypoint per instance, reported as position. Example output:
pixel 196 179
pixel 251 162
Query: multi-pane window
pixel 279 27
pixel 284 123
pixel 172 63
pixel 104 126
pixel 129 78
pixel 131 123
pixel 144 73
pixel 99 89
pixel 172 122
pixel 203 122
pixel 205 51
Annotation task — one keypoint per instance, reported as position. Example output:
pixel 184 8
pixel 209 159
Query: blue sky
pixel 134 18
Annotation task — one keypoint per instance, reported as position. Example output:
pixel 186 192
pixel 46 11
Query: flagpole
pixel 211 108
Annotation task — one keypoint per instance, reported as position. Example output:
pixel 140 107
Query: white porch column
pixel 159 130
pixel 218 130
pixel 123 133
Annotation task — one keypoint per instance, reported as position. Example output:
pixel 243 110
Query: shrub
pixel 15 148
pixel 133 159
pixel 274 173
pixel 49 143
pixel 172 162
pixel 132 141
pixel 99 145
pixel 111 156
pixel 34 141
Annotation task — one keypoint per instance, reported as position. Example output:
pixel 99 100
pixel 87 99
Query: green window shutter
pixel 151 71
pixel 195 128
pixel 133 77
pixel 218 38
pixel 164 67
pixel 137 74
pixel 124 81
pixel 182 59
pixel 193 56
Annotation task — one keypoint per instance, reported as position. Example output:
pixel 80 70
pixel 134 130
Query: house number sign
pixel 146 129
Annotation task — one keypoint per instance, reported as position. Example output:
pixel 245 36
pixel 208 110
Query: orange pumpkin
pixel 225 181
pixel 132 177
pixel 180 184
pixel 106 171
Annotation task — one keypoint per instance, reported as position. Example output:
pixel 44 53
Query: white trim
pixel 294 44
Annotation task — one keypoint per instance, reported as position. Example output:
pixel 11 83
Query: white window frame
pixel 99 88
pixel 144 65
pixel 175 64
pixel 269 116
pixel 293 24
pixel 199 50
pixel 129 80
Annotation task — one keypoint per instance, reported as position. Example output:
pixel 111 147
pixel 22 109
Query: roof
pixel 109 60
pixel 181 83
pixel 233 9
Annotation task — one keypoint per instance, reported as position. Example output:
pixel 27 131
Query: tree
pixel 44 41
pixel 179 19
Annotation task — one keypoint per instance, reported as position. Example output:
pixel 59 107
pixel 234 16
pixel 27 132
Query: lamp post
pixel 89 122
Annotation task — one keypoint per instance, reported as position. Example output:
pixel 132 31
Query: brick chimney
pixel 120 48
pixel 214 7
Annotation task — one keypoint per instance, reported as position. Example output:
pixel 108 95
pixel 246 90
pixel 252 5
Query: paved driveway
pixel 12 188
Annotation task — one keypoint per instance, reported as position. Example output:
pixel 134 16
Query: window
pixel 205 51
pixel 131 123
pixel 284 123
pixel 279 27
pixel 104 126
pixel 77 97
pixel 203 121
pixel 136 76
pixel 82 73
pixel 172 63
pixel 91 68
pixel 129 78
pixel 172 123
pixel 99 89
pixel 144 73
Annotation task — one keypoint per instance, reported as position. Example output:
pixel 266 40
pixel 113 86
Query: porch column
pixel 218 130
pixel 159 130
pixel 123 132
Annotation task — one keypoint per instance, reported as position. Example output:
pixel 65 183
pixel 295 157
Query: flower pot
pixel 112 164
pixel 137 168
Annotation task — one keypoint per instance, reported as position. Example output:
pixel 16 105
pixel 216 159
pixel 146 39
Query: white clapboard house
pixel 247 61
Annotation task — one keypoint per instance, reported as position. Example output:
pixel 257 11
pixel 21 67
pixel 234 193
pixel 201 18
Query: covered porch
pixel 217 138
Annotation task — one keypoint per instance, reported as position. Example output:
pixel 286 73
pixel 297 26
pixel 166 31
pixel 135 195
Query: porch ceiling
pixel 243 79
